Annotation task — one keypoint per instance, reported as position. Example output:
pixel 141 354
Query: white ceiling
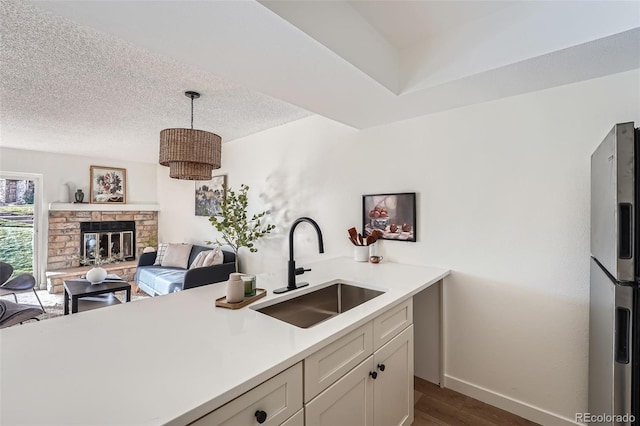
pixel 102 78
pixel 404 22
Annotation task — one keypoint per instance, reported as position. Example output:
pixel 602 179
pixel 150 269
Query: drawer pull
pixel 381 367
pixel 261 416
pixel 373 375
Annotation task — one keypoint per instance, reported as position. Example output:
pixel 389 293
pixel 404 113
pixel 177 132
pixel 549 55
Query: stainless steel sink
pixel 312 308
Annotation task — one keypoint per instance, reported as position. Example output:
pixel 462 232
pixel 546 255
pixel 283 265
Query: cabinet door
pixel 347 402
pixel 296 420
pixel 270 403
pixel 393 388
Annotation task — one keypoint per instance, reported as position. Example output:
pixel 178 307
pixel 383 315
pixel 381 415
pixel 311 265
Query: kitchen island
pixel 173 359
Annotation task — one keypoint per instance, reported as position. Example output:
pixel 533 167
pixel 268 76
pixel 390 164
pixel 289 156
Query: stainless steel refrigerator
pixel 614 339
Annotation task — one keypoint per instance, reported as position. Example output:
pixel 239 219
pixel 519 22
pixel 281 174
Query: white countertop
pixel 174 358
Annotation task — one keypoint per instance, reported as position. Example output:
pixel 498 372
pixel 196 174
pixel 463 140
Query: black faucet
pixel 292 272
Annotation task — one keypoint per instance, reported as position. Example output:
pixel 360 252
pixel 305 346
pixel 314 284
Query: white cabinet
pixel 393 386
pixel 270 403
pixel 296 420
pixel 336 359
pixel 388 324
pixel 349 401
pixel 379 391
pixel 364 378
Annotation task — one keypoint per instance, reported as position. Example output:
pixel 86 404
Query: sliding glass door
pixel 19 223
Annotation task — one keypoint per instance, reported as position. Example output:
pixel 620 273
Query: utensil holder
pixel 361 253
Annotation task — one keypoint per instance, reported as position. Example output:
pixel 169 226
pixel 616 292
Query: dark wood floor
pixel 436 406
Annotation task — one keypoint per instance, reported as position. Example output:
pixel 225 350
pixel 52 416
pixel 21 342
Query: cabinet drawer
pixel 387 325
pixel 336 359
pixel 279 397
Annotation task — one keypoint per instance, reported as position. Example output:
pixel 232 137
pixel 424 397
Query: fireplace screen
pixel 110 245
pixel 110 241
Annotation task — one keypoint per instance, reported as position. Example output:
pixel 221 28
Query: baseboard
pixel 520 408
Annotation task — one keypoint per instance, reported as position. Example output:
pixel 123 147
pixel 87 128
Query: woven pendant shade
pixel 190 154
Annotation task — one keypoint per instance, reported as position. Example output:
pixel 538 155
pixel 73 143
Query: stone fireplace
pixel 126 233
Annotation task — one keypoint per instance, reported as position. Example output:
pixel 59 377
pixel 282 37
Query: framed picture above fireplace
pixel 108 185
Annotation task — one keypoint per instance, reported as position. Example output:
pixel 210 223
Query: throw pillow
pixel 162 249
pixel 177 255
pixel 214 258
pixel 199 260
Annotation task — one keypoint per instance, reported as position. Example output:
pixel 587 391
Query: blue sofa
pixel 156 280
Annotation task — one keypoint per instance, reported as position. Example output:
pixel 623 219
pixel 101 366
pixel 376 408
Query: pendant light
pixel 190 154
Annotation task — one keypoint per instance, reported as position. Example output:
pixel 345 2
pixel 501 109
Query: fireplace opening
pixel 113 241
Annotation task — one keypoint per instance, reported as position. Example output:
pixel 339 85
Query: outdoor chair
pixel 23 283
pixel 15 313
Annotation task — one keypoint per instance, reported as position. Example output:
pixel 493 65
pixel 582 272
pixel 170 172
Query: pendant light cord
pixel 191 112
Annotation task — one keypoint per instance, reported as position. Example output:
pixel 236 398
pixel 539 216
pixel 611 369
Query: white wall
pixel 503 194
pixel 58 169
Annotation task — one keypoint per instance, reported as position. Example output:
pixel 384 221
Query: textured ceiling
pixel 102 78
pixel 71 89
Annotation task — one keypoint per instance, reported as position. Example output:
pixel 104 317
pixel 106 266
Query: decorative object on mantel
pixel 79 196
pixel 209 196
pixel 108 185
pixel 394 215
pixel 65 192
pixel 71 191
pixel 237 229
pixel 190 154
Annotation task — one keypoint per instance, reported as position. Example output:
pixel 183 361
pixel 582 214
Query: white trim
pixel 39 243
pixel 103 207
pixel 520 408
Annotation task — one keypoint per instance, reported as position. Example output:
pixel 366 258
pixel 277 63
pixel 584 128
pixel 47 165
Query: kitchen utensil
pixel 353 233
pixel 360 239
pixel 370 239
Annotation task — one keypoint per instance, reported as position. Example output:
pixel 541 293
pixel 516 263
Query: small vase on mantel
pixel 96 275
pixel 79 196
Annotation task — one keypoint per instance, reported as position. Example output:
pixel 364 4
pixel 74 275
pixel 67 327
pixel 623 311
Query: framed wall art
pixel 210 195
pixel 392 214
pixel 108 185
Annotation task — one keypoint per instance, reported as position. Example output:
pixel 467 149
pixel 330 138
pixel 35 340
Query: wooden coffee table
pixel 75 290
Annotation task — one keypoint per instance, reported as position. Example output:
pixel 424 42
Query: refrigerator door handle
pixel 625 231
pixel 622 327
pixel 623 350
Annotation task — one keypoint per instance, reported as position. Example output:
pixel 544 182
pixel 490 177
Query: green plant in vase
pixel 233 222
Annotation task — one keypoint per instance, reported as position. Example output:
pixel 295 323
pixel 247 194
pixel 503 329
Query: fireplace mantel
pixel 103 207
